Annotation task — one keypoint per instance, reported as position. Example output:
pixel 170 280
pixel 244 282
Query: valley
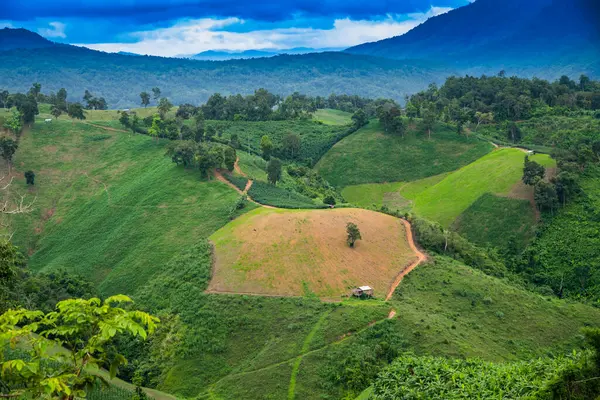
pixel 413 217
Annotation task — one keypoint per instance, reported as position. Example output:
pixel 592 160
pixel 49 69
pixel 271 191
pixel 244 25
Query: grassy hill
pixel 497 172
pixel 111 206
pixel 304 252
pixel 370 156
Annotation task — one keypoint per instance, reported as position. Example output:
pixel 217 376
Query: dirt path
pixel 421 257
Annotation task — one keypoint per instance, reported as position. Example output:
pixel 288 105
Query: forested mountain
pixel 21 39
pixel 541 37
pixel 120 78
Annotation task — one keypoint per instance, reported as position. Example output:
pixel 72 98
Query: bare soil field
pixel 292 253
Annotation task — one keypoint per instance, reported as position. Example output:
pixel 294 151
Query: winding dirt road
pixel 421 257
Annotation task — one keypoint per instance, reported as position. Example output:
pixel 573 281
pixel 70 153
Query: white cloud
pixel 56 30
pixel 195 36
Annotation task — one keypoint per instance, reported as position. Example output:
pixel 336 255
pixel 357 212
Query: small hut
pixel 363 291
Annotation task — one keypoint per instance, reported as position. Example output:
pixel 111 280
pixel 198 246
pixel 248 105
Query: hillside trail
pixel 219 176
pixel 421 257
pixel 106 128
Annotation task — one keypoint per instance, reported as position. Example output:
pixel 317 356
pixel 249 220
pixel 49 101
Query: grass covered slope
pixel 370 156
pixel 111 206
pixel 453 310
pixel 302 252
pixel 497 221
pixel 495 173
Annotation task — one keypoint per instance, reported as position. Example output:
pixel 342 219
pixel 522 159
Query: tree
pixel 230 157
pixel 397 126
pixel 353 234
pixel 532 172
pixel 145 97
pixel 124 118
pixel 30 177
pixel 56 111
pixel 186 111
pixel 75 111
pixel 183 152
pixel 156 129
pixel 10 262
pixel 13 123
pixel 274 171
pixel 291 145
pixel 359 119
pixel 329 199
pixel 156 93
pixel 566 186
pixel 61 99
pixel 164 106
pixel 513 132
pixel 266 147
pixel 134 123
pixel 483 118
pixel 429 119
pixel 199 126
pixel 546 198
pixel 210 133
pixel 35 90
pixel 85 328
pixel 8 148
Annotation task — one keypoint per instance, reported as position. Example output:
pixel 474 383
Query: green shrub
pixel 239 182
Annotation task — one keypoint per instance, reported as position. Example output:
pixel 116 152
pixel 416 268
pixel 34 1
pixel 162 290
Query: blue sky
pixel 175 27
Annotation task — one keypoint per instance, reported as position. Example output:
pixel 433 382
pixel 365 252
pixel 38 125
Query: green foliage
pixel 368 156
pixel 316 138
pixel 230 157
pixel 359 119
pixel 164 106
pixel 265 193
pixel 84 327
pixel 10 262
pixel 14 122
pixel 353 234
pixel 75 111
pixel 412 377
pixel 266 147
pixel 8 148
pixel 532 172
pixel 274 171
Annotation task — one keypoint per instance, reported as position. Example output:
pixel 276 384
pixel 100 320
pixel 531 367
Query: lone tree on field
pixel 532 172
pixel 266 147
pixel 164 106
pixel 230 157
pixel 8 148
pixel 429 119
pixel 56 111
pixel 30 177
pixel 274 171
pixel 75 111
pixel 145 98
pixel 353 234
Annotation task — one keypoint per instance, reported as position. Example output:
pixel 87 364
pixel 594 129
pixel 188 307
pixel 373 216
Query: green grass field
pixel 253 166
pixel 105 115
pixel 495 173
pixel 111 206
pixel 329 116
pixel 370 156
pixel 497 221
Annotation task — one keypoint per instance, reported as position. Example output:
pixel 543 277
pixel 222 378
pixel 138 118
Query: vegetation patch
pixel 282 253
pixel 272 195
pixel 370 156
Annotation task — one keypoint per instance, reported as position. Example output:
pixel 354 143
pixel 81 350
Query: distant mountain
pixel 22 39
pixel 127 53
pixel 222 55
pixel 534 37
pixel 120 78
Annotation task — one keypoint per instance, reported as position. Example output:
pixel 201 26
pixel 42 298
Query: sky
pixel 184 27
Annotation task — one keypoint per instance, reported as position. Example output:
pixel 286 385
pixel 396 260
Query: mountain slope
pixel 545 38
pixel 120 78
pixel 21 39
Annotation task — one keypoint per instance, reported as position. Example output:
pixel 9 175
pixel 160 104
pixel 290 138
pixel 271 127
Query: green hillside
pixel 495 173
pixel 370 156
pixel 111 206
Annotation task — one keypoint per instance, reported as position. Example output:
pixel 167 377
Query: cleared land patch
pixel 281 252
pixel 329 116
pixel 497 173
pixel 370 156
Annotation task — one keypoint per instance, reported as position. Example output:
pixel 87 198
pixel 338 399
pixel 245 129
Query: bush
pixel 239 182
pixel 329 200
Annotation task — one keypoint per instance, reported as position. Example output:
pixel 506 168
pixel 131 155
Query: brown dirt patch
pixel 278 252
